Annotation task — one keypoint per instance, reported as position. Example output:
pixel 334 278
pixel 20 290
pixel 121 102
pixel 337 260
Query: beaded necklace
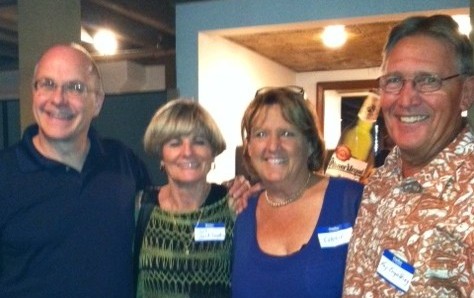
pixel 291 199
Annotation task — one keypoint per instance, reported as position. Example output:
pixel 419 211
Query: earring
pixel 162 166
pixel 213 165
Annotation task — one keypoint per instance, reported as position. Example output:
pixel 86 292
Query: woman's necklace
pixel 190 240
pixel 291 199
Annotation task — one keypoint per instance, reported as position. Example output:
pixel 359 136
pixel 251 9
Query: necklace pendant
pixel 187 251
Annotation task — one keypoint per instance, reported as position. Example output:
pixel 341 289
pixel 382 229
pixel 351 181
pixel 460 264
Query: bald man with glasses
pixel 67 195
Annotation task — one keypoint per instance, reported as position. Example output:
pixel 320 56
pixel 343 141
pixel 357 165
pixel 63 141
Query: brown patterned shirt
pixel 426 220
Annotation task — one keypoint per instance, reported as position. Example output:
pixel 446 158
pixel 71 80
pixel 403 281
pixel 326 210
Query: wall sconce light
pixel 334 36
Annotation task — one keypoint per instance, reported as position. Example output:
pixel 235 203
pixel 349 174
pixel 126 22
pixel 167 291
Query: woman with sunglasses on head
pixel 292 239
pixel 183 240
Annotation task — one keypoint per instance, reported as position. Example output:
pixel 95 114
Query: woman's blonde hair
pixel 179 118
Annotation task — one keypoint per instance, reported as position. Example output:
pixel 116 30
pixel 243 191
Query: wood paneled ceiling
pixel 302 50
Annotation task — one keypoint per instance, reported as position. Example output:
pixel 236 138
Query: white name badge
pixel 334 236
pixel 395 271
pixel 209 232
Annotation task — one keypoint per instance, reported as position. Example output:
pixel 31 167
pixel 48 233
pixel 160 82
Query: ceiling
pixel 146 31
pixel 302 50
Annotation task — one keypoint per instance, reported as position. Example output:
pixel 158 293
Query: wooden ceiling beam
pixel 135 54
pixel 131 33
pixel 138 16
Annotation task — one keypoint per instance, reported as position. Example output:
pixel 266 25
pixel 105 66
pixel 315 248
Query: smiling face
pixel 422 124
pixel 61 117
pixel 187 159
pixel 277 150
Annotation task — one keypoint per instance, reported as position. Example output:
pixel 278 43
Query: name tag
pixel 209 232
pixel 334 236
pixel 395 271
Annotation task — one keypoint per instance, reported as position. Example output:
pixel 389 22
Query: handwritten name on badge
pixel 395 271
pixel 334 236
pixel 209 232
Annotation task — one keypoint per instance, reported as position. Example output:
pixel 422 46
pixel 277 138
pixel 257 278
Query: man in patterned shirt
pixel 414 235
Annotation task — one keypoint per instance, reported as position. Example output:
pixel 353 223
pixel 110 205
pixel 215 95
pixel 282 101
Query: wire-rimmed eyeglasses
pixel 290 88
pixel 71 89
pixel 425 82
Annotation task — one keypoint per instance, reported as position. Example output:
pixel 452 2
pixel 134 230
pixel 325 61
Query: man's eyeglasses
pixel 291 88
pixel 426 82
pixel 71 89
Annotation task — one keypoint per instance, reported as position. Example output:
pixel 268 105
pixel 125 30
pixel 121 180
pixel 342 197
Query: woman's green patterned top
pixel 173 264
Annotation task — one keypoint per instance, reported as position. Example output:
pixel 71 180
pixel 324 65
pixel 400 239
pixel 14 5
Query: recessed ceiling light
pixel 334 36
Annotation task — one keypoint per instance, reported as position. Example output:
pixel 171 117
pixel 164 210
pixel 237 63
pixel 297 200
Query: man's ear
pixel 99 101
pixel 467 97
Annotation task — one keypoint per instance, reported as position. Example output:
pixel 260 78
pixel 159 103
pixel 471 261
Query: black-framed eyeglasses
pixel 291 88
pixel 425 82
pixel 71 89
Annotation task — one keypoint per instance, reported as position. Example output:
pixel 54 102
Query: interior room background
pixel 224 76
